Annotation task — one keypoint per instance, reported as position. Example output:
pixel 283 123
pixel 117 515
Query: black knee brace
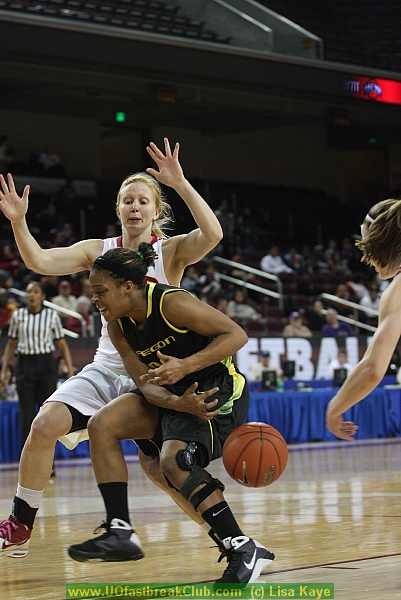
pixel 186 461
pixel 197 476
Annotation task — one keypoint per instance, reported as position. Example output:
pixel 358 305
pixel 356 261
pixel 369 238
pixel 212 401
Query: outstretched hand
pixel 13 206
pixel 342 429
pixel 195 403
pixel 171 371
pixel 170 172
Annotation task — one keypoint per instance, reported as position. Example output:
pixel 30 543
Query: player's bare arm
pixel 52 261
pixel 183 250
pixel 372 368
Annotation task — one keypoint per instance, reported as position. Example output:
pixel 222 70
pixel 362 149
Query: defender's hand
pixel 13 206
pixel 170 172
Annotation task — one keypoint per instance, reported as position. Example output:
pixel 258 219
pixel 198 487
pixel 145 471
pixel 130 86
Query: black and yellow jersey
pixel 159 334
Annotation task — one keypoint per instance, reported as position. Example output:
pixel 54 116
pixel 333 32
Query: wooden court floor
pixel 333 517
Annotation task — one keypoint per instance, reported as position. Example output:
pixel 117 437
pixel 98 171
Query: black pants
pixel 36 379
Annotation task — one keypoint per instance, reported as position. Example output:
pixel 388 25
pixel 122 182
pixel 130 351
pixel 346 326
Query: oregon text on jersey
pixel 157 346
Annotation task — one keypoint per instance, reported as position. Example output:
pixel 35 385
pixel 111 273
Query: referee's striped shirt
pixel 35 332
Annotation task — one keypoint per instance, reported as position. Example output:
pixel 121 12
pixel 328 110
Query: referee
pixel 32 333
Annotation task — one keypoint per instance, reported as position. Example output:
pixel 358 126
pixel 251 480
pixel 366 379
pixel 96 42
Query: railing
pixel 240 282
pixel 357 308
pixel 57 308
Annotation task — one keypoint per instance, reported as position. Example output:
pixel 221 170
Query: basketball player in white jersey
pixel 143 214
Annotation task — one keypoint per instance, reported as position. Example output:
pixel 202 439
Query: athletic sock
pixel 25 505
pixel 115 498
pixel 222 521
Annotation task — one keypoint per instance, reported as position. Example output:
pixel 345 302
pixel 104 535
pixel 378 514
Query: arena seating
pixel 362 32
pixel 143 15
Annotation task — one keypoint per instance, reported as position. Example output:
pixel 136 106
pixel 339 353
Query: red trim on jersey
pixel 119 241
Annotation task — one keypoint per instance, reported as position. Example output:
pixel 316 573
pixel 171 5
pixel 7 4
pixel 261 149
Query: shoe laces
pixel 234 560
pixel 99 528
pixel 8 526
pixel 225 554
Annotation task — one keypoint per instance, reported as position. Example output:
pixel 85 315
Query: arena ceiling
pixel 94 71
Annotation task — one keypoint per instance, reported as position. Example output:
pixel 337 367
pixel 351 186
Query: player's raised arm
pixel 189 248
pixel 52 261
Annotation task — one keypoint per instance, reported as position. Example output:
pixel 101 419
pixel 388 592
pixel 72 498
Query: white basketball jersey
pixel 106 354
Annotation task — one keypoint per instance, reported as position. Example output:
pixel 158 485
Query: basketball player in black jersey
pixel 165 330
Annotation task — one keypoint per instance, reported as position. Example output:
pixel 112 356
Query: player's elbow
pixel 373 372
pixel 242 338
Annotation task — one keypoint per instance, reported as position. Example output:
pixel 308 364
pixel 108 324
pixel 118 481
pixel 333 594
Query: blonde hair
pixel 382 243
pixel 165 220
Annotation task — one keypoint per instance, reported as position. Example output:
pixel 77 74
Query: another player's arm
pixel 6 358
pixel 186 312
pixel 52 261
pixel 66 354
pixel 189 402
pixel 371 369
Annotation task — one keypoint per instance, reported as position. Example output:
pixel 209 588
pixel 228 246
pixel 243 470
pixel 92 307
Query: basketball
pixel 255 454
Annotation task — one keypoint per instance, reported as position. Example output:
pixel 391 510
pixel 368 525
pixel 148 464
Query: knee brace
pixel 197 476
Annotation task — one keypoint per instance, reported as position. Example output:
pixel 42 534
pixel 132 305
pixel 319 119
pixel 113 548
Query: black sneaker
pixel 246 560
pixel 119 543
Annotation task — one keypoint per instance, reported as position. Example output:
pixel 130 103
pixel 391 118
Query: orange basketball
pixel 255 454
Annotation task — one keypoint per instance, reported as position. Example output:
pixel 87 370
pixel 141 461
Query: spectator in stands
pixel 86 292
pixel 316 316
pixel 190 279
pixel 356 286
pixel 247 230
pixel 222 304
pixel 226 219
pixel 347 250
pixel 370 300
pixel 65 236
pixel 8 390
pixel 6 311
pixel 294 260
pixel 317 261
pixel 9 259
pixel 8 161
pixel 334 327
pixel 7 282
pixel 50 219
pixel 208 283
pixel 50 286
pixel 75 324
pixel 338 265
pixel 341 362
pixel 49 164
pixel 295 327
pixel 240 308
pixel 65 299
pixel 263 364
pixel 78 280
pixel 342 309
pixel 273 263
pixel 330 250
pixel 306 286
pixel 112 230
